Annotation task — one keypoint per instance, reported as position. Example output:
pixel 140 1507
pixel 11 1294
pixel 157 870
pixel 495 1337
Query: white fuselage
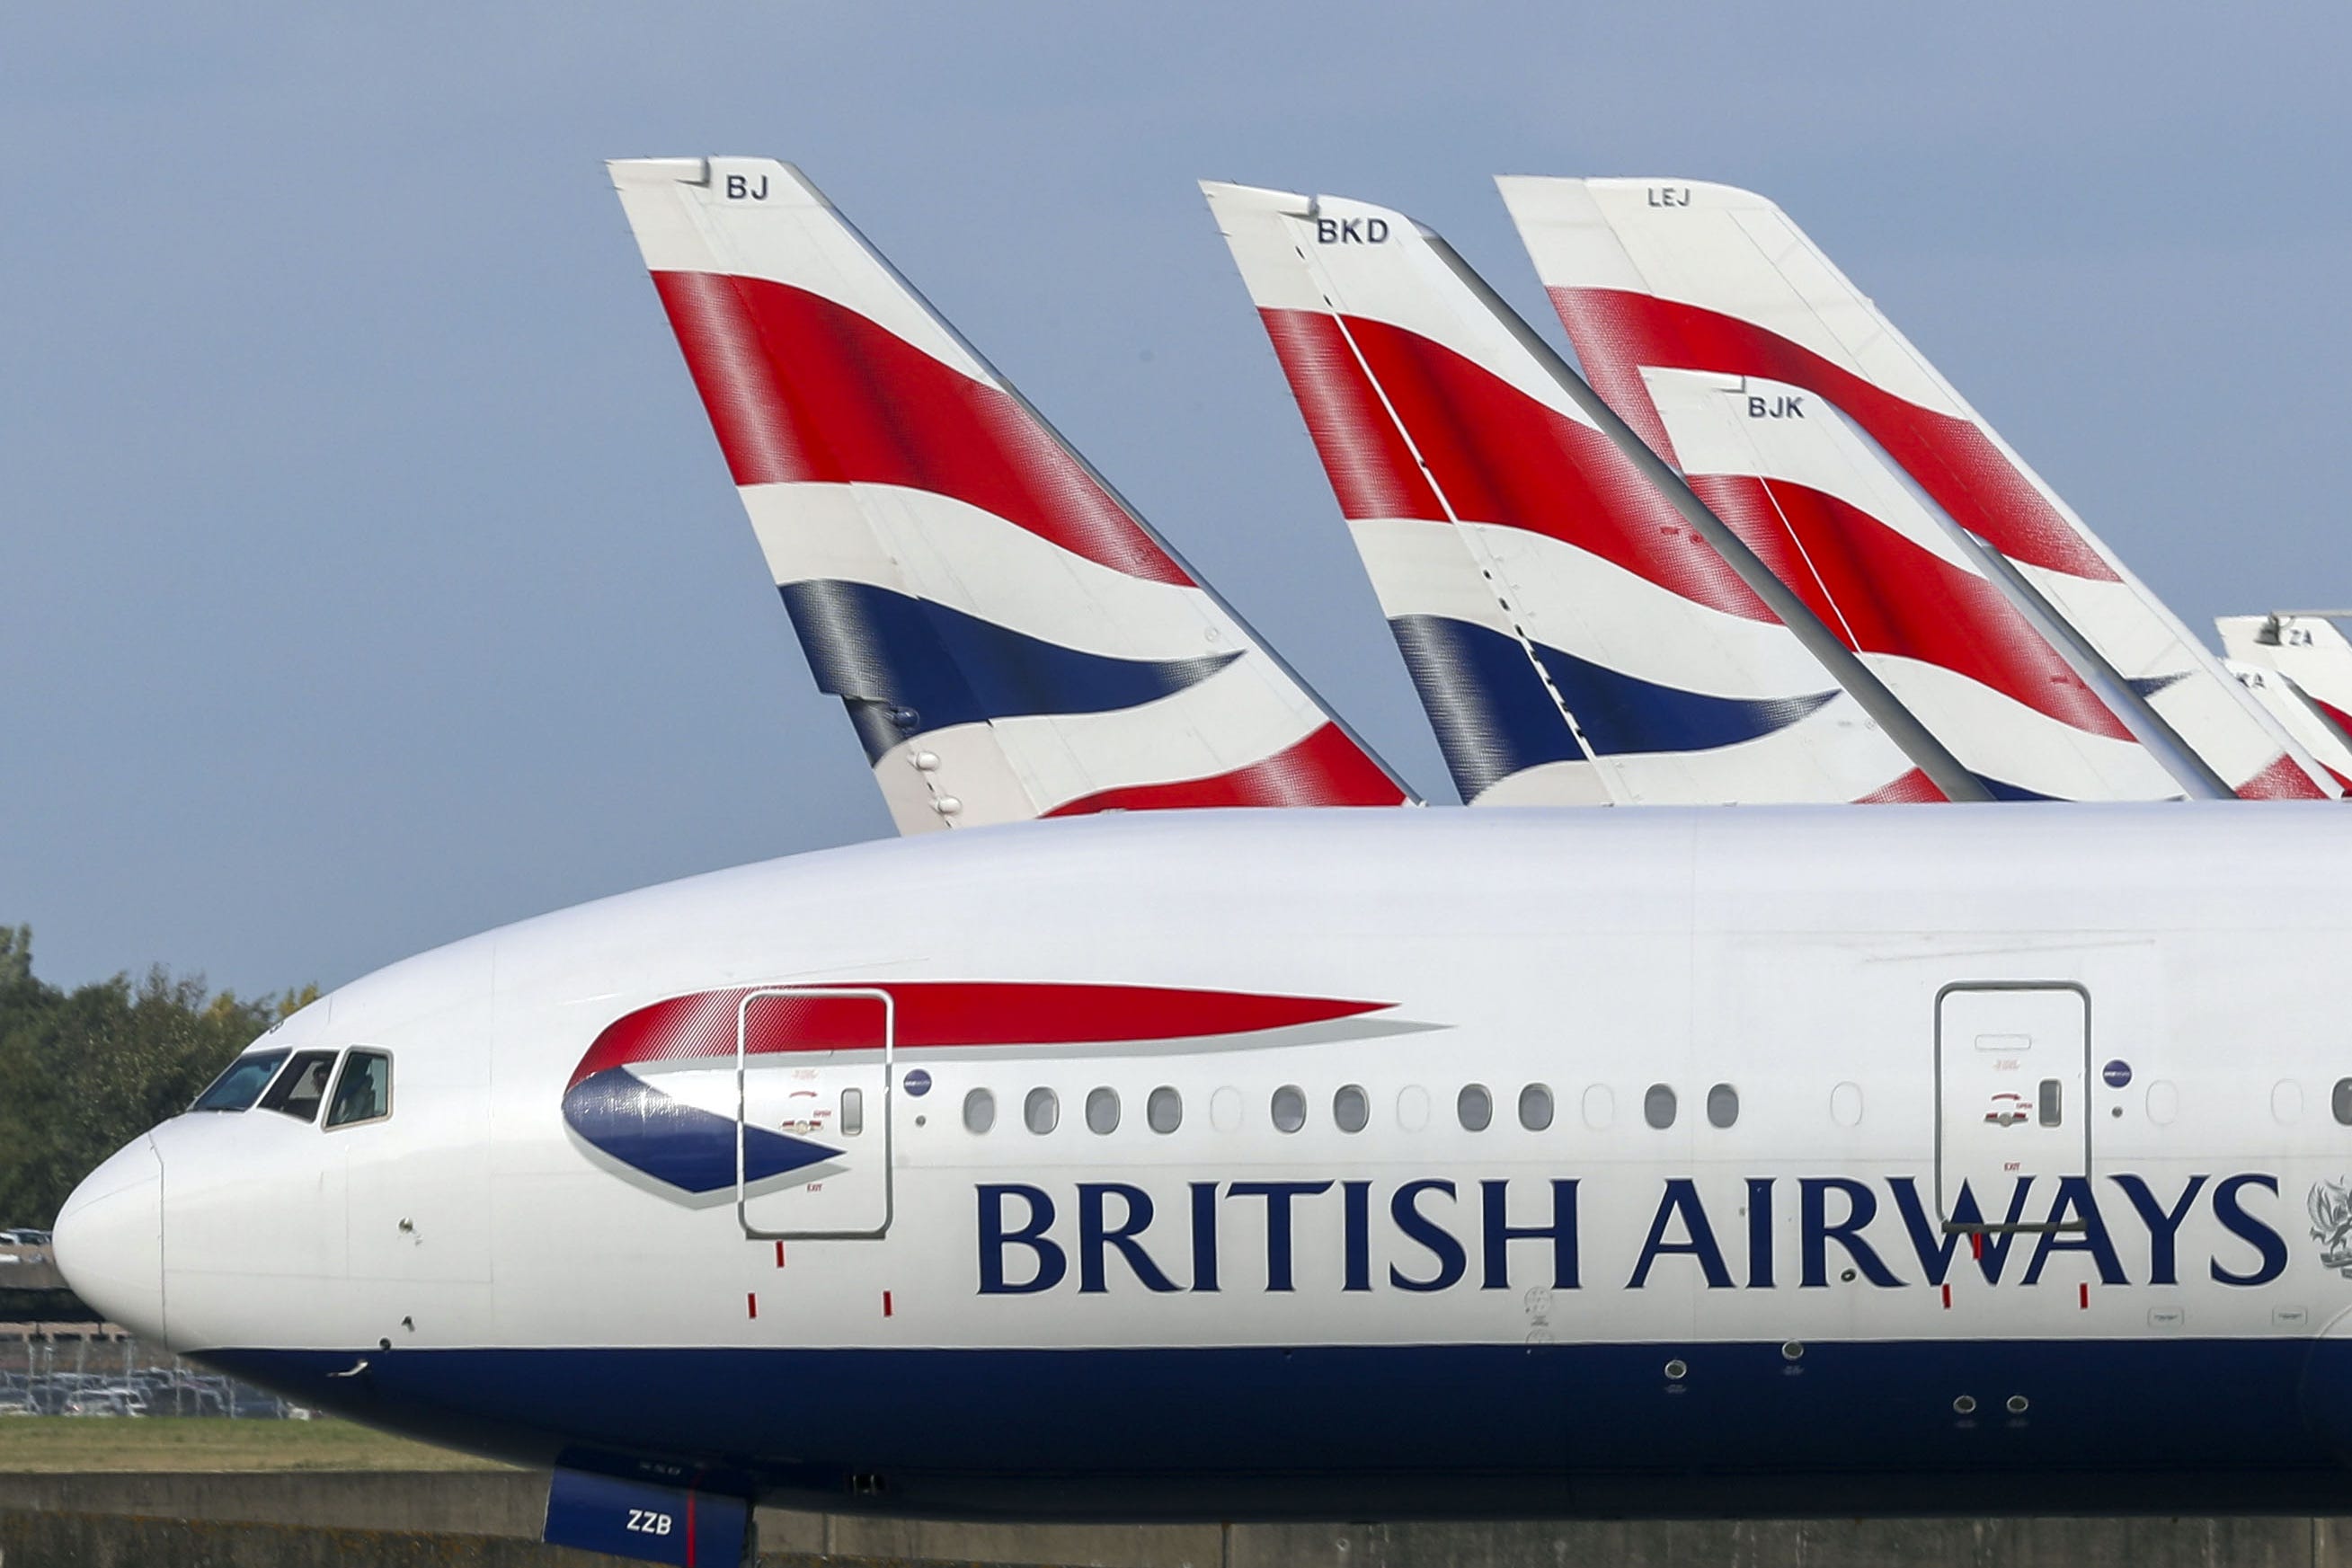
pixel 1873 1005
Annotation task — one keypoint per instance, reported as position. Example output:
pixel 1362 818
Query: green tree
pixel 84 1071
pixel 16 953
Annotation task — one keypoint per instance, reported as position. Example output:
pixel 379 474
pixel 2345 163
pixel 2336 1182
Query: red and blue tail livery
pixel 2298 666
pixel 1573 641
pixel 1673 291
pixel 1012 641
pixel 1218 1165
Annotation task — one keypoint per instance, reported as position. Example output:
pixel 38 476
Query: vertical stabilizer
pixel 1876 560
pixel 2300 666
pixel 1010 638
pixel 1573 639
pixel 1665 283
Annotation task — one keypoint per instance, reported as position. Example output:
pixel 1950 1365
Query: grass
pixel 49 1444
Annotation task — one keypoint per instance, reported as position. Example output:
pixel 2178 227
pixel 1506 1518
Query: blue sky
pixel 369 576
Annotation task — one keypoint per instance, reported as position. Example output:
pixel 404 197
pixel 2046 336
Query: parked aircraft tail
pixel 1010 638
pixel 2298 663
pixel 1659 282
pixel 1882 565
pixel 1572 638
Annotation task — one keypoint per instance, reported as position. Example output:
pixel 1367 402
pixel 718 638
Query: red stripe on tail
pixel 1913 787
pixel 1881 593
pixel 1371 469
pixel 2329 711
pixel 2282 781
pixel 1498 455
pixel 800 388
pixel 1326 768
pixel 1616 332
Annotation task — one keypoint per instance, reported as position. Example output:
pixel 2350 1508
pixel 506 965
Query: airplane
pixel 2299 664
pixel 1323 1163
pixel 1673 290
pixel 1235 1163
pixel 1010 639
pixel 1426 393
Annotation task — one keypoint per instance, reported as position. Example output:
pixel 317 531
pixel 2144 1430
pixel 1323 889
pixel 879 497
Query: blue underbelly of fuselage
pixel 2166 1426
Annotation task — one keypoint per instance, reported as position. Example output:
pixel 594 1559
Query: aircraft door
pixel 813 1081
pixel 2012 1094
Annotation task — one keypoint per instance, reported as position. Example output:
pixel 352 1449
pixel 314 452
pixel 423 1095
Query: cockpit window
pixel 241 1085
pixel 363 1093
pixel 299 1089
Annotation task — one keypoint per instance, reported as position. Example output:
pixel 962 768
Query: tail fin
pixel 2298 715
pixel 1573 639
pixel 1653 276
pixel 1878 561
pixel 1010 638
pixel 2300 666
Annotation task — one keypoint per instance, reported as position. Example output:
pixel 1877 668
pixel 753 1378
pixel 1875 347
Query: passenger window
pixel 1164 1111
pixel 1658 1106
pixel 1351 1108
pixel 1722 1105
pixel 1535 1107
pixel 2342 1102
pixel 1102 1111
pixel 979 1111
pixel 241 1083
pixel 1289 1108
pixel 1042 1111
pixel 1475 1106
pixel 362 1090
pixel 853 1112
pixel 303 1086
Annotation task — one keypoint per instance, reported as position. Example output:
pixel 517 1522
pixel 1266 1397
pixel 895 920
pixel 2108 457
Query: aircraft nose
pixel 108 1238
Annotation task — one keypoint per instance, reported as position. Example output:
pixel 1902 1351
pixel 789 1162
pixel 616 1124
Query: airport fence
pixel 98 1369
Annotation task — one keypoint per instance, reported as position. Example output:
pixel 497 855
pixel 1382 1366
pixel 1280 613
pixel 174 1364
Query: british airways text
pixel 1435 1235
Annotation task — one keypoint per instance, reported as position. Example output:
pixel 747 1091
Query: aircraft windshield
pixel 241 1085
pixel 303 1084
pixel 363 1094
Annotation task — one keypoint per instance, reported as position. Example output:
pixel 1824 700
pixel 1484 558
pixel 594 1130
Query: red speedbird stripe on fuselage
pixel 1881 593
pixel 1498 455
pixel 802 388
pixel 1617 333
pixel 1326 768
pixel 946 1013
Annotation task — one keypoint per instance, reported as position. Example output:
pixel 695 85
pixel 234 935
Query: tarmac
pixel 462 1520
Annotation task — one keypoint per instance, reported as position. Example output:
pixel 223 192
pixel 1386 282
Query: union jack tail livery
pixel 1012 641
pixel 2299 666
pixel 1880 564
pixel 1665 286
pixel 1573 640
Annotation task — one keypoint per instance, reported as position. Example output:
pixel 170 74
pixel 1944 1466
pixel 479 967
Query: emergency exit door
pixel 813 1081
pixel 2012 1097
